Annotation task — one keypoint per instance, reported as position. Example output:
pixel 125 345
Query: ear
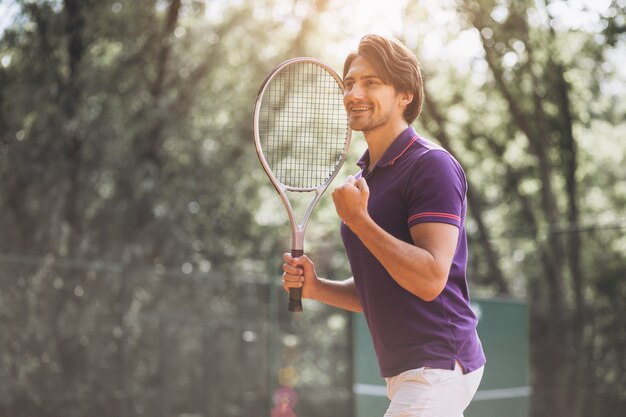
pixel 406 98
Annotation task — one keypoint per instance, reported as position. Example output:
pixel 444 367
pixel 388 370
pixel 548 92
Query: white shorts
pixel 429 392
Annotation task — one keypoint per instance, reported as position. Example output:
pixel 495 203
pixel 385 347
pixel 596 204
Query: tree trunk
pixel 548 314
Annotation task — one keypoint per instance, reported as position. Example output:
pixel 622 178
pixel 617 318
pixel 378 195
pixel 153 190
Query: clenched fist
pixel 350 200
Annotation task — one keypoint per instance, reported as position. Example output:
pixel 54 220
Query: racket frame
pixel 297 228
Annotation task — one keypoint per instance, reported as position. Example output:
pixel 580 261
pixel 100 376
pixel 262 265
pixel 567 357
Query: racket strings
pixel 303 125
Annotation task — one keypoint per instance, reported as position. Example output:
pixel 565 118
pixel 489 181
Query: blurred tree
pixel 517 120
pixel 125 161
pixel 139 232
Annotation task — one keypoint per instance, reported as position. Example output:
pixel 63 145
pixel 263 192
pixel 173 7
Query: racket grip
pixel 295 294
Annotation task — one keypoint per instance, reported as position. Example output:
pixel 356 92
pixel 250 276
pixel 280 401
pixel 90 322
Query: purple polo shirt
pixel 415 182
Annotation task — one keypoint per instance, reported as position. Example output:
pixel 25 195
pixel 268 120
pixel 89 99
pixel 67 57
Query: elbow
pixel 434 290
pixel 427 286
pixel 433 280
pixel 431 296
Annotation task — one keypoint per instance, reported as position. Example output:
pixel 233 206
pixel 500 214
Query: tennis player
pixel 403 229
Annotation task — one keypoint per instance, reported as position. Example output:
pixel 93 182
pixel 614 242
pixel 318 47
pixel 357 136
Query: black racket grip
pixel 295 294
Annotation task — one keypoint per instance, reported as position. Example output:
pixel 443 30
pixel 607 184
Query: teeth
pixel 359 109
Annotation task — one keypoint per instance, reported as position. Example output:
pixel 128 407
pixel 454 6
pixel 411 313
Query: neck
pixel 379 139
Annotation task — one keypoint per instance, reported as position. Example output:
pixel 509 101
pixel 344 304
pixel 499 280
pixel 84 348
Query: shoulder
pixel 430 159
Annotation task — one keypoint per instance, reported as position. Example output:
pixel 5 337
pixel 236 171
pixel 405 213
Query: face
pixel 370 103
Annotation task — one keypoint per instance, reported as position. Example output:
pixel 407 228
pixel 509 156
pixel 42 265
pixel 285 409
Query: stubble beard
pixel 370 124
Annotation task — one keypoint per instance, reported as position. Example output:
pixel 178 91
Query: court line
pixel 481 395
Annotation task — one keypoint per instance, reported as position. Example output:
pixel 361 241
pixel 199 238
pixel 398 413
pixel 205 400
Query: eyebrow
pixel 365 77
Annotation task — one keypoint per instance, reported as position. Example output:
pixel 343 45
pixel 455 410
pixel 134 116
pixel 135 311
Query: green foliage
pixel 126 153
pixel 141 241
pixel 537 127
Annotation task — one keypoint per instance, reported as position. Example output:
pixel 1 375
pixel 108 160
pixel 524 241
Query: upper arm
pixel 440 240
pixel 437 208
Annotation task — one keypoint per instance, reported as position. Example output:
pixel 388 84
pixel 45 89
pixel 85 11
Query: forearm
pixel 340 294
pixel 415 269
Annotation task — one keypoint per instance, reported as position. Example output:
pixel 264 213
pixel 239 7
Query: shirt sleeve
pixel 437 190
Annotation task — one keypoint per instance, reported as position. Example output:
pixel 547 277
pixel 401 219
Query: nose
pixel 354 93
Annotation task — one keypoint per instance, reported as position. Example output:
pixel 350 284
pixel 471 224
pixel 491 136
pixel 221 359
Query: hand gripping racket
pixel 301 136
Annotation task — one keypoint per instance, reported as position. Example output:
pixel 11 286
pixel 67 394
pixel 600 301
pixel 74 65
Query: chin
pixel 359 127
pixel 356 128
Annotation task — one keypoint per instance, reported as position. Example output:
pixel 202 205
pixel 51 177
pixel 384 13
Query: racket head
pixel 301 127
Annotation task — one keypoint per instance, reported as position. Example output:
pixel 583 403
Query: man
pixel 403 229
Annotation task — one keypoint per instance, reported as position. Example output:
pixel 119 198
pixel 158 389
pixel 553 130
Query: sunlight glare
pixel 578 14
pixel 371 16
pixel 433 30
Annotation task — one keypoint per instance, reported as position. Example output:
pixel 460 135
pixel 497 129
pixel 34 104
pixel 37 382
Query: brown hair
pixel 396 65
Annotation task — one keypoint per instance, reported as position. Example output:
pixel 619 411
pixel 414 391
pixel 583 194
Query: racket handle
pixel 295 294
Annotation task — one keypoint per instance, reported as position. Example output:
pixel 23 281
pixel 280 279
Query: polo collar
pixel 397 148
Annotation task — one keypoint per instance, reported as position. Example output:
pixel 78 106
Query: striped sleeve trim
pixel 432 214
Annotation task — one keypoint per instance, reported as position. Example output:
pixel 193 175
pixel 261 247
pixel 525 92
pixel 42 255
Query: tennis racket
pixel 301 136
